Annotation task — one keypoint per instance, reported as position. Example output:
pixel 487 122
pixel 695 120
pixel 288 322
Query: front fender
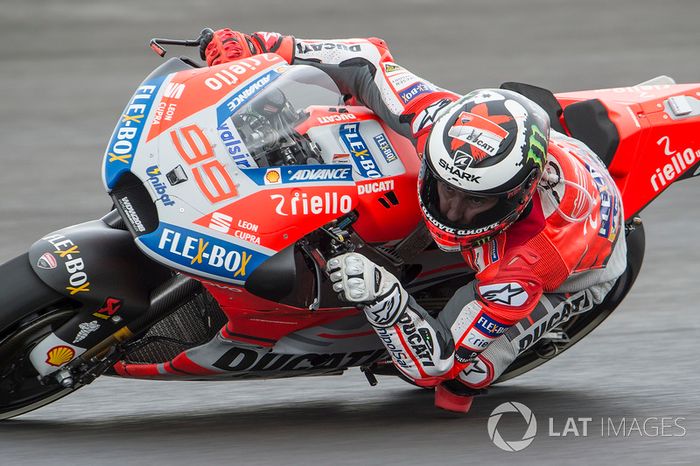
pixel 101 269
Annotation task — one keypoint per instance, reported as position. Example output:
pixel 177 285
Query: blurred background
pixel 69 67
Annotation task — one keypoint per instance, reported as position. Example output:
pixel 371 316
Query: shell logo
pixel 59 355
pixel 272 177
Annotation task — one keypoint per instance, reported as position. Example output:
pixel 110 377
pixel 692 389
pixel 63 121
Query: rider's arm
pixel 433 349
pixel 362 68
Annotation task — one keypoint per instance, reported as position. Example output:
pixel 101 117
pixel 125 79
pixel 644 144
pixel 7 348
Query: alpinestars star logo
pixel 509 294
pixel 387 310
pixel 428 115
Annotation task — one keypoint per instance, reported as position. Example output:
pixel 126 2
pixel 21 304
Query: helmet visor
pixel 461 211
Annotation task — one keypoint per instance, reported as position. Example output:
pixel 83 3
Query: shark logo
pixel 462 160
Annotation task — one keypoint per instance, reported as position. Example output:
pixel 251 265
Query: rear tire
pixel 581 325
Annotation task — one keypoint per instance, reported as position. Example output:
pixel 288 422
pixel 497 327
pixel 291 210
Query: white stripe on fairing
pixel 496 175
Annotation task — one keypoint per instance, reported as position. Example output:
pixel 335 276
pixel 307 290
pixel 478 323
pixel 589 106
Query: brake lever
pixel 156 43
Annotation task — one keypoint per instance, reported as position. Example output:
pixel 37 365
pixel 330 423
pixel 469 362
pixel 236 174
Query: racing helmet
pixel 489 147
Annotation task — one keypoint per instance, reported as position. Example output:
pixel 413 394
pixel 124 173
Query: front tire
pixel 29 310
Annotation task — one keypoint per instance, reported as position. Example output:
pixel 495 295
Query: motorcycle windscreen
pixel 259 131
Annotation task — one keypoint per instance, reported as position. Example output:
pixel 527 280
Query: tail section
pixel 648 135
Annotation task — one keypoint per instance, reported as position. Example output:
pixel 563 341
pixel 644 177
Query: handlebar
pixel 204 38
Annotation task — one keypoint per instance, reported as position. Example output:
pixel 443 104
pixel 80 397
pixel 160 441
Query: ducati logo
pixel 477 131
pixel 47 261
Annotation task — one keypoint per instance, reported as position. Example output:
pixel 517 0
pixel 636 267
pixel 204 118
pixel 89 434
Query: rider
pixel 532 211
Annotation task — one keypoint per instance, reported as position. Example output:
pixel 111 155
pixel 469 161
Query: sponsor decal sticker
pixel 161 189
pixel 525 333
pixel 131 214
pixel 489 326
pixel 330 203
pixel 479 132
pixel 244 95
pixel 609 205
pixel 390 67
pixel 247 359
pixel 307 47
pixel 375 187
pixel 361 156
pixel 385 148
pixel 475 342
pixel 413 91
pixel 536 151
pixel 220 222
pixel 458 172
pixel 509 294
pixel 47 261
pixel 335 118
pixel 165 111
pixel 427 117
pixel 86 328
pixel 234 145
pixel 247 231
pixel 203 253
pixel 122 147
pixel 300 174
pixel 174 90
pixel 68 251
pixel 419 340
pixel 493 247
pixel 59 355
pixel 273 176
pixel 231 74
pixel 679 161
pixel 110 307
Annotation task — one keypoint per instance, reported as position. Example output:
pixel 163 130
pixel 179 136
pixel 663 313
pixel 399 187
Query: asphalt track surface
pixel 67 69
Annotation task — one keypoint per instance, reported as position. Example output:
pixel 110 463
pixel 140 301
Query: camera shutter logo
pixel 512 445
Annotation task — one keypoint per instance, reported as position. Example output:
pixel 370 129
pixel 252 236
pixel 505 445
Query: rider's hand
pixel 226 45
pixel 359 280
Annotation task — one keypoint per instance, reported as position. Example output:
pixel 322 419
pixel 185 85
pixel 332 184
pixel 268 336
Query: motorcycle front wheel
pixel 29 310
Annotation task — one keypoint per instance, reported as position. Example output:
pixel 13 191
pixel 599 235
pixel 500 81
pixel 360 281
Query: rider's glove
pixel 226 45
pixel 359 280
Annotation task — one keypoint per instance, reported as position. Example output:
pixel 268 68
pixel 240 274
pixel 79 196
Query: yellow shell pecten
pixel 59 355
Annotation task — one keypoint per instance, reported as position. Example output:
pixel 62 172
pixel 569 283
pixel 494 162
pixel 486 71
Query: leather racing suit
pixel 560 258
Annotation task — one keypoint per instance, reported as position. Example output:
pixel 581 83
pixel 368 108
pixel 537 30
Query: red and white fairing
pixel 221 215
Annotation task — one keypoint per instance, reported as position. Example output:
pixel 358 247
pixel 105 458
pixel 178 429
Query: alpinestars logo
pixel 428 116
pixel 509 294
pixel 386 312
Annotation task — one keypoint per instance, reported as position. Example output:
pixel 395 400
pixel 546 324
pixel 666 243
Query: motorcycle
pixel 233 185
